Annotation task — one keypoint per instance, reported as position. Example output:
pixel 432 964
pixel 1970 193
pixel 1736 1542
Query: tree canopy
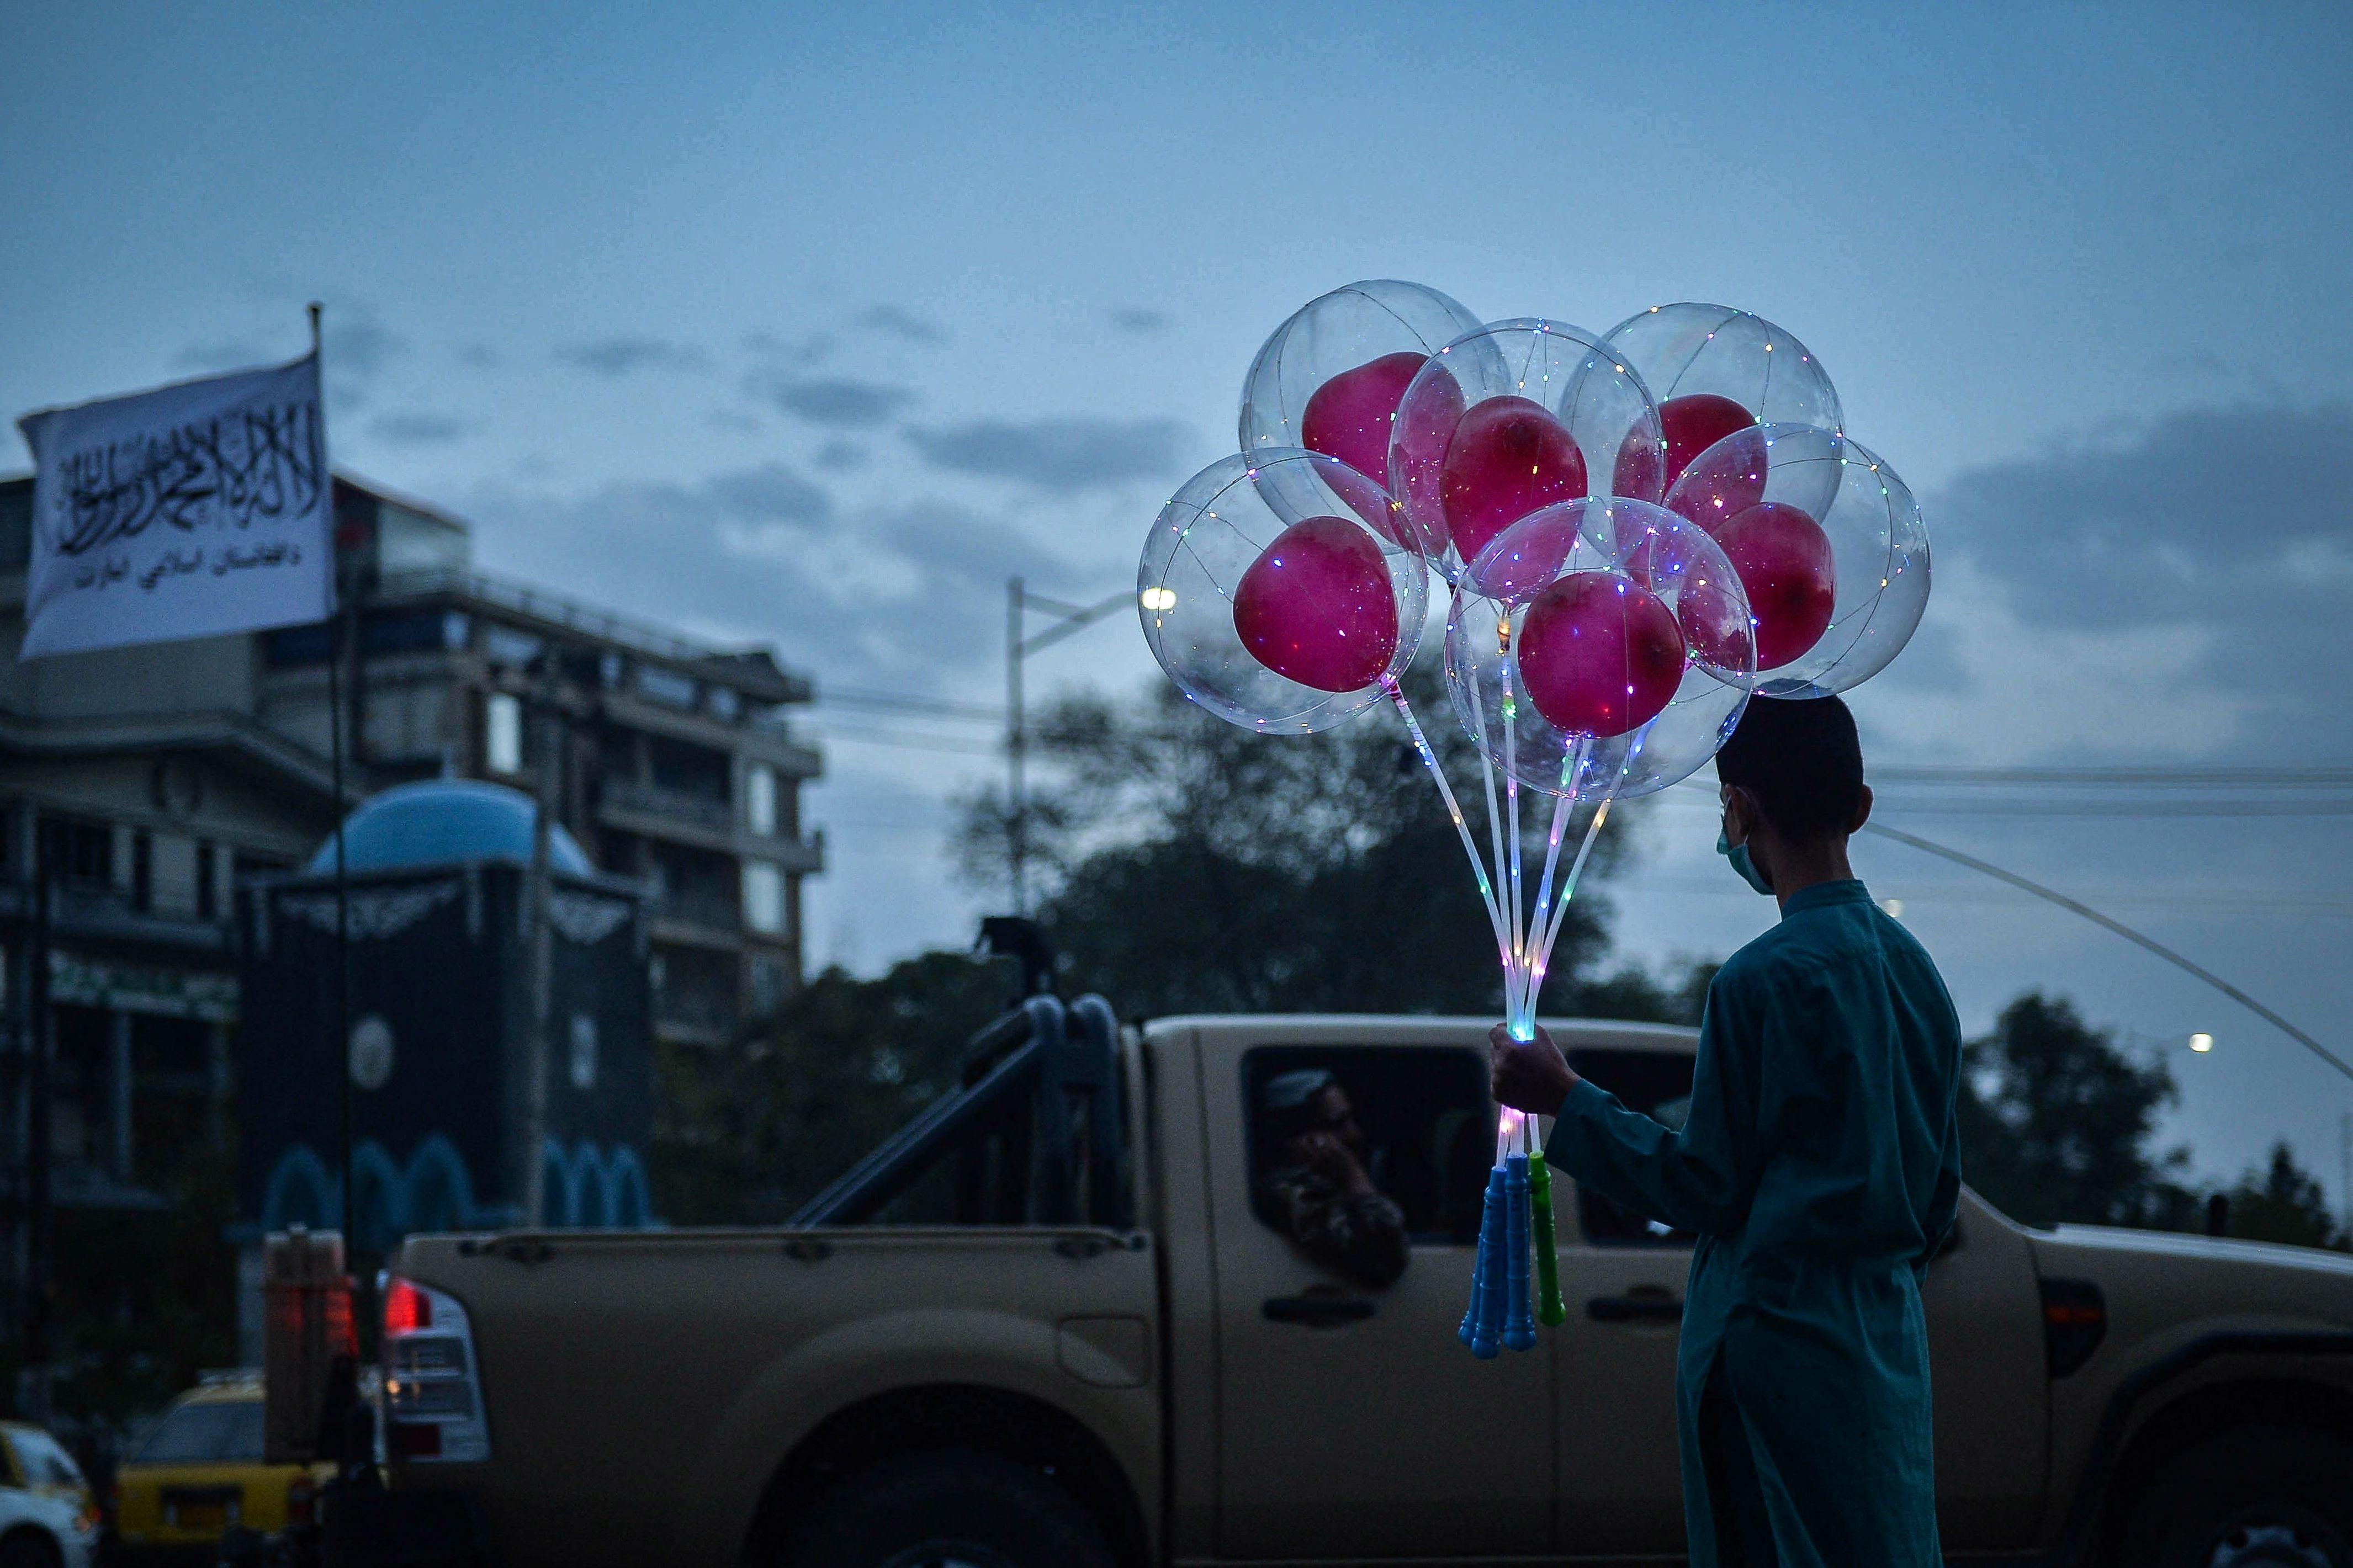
pixel 1189 865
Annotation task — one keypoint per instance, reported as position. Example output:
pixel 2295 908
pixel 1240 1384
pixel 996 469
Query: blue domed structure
pixel 441 821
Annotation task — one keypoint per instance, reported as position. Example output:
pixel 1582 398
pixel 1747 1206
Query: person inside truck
pixel 1315 1181
pixel 1818 1163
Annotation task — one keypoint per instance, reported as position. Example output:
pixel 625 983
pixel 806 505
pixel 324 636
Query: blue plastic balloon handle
pixel 1486 1337
pixel 1519 1314
pixel 1470 1329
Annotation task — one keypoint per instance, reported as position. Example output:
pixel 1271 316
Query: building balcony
pixel 693 1017
pixel 90 914
pixel 677 818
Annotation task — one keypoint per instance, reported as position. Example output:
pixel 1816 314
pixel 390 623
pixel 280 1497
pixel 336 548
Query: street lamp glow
pixel 1158 599
pixel 2201 1044
pixel 1894 907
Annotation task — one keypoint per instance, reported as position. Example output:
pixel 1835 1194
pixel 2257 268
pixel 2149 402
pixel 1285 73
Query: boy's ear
pixel 1862 811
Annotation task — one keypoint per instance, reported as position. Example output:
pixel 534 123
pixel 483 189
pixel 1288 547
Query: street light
pixel 1067 618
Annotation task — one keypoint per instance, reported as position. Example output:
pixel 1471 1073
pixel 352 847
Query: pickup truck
pixel 1054 1324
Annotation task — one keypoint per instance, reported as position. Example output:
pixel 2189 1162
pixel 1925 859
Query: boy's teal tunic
pixel 1820 1165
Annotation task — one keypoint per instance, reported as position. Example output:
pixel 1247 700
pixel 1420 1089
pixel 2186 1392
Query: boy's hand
pixel 1528 1075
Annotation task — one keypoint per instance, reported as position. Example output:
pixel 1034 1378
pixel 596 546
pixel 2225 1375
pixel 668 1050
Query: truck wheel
pixel 952 1510
pixel 2260 1497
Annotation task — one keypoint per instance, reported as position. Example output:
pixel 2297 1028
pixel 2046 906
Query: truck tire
pixel 948 1509
pixel 2256 1497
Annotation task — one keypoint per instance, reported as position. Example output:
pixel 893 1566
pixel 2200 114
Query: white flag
pixel 189 511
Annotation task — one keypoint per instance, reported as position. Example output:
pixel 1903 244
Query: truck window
pixel 1422 1129
pixel 1659 1085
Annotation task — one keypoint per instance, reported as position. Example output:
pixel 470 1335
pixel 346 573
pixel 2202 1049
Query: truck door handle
pixel 1635 1309
pixel 1317 1311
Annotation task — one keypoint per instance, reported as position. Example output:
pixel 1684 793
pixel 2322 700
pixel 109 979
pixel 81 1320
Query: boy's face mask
pixel 1738 853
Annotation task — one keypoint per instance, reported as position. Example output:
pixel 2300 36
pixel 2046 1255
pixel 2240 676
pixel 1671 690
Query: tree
pixel 1190 865
pixel 2056 1121
pixel 746 1136
pixel 2284 1203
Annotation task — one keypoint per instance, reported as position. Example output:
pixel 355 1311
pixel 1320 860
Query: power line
pixel 2127 777
pixel 907 702
pixel 2095 916
pixel 911 741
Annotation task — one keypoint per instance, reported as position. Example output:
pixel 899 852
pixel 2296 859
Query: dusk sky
pixel 807 326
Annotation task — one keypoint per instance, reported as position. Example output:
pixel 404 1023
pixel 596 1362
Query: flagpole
pixel 336 641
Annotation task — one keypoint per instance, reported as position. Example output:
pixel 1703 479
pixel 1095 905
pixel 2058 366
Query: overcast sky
pixel 808 325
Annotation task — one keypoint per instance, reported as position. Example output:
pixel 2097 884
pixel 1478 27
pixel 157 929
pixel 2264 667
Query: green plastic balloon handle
pixel 1549 1308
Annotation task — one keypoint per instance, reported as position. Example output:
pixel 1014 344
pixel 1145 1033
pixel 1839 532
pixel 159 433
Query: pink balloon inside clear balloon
pixel 1784 561
pixel 1599 653
pixel 1316 606
pixel 1723 479
pixel 1696 423
pixel 1508 458
pixel 1349 416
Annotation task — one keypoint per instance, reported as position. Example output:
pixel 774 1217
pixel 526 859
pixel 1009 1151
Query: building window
pixel 760 799
pixel 143 871
pixel 666 686
pixel 208 886
pixel 767 985
pixel 764 898
pixel 502 732
pixel 79 852
pixel 504 645
pixel 724 703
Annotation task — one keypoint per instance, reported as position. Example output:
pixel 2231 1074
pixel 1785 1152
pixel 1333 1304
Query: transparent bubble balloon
pixel 1273 618
pixel 1329 378
pixel 1835 595
pixel 1599 647
pixel 1715 370
pixel 1509 419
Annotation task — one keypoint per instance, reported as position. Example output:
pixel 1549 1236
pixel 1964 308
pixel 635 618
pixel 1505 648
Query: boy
pixel 1819 1165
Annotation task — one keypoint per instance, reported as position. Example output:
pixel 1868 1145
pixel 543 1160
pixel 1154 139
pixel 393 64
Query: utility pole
pixel 40 1046
pixel 1067 618
pixel 541 895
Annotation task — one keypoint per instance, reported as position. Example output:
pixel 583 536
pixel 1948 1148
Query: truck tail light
pixel 433 1406
pixel 300 1500
pixel 2074 1321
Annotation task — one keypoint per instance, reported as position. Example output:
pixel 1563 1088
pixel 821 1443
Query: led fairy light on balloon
pixel 1625 569
pixel 1829 544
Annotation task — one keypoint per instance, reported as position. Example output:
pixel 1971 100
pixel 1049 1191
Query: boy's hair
pixel 1800 758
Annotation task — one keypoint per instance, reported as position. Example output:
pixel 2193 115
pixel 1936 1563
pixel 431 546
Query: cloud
pixel 223 356
pixel 765 554
pixel 1062 456
pixel 618 356
pixel 418 429
pixel 2179 589
pixel 1137 319
pixel 357 344
pixel 814 349
pixel 835 401
pixel 842 455
pixel 478 356
pixel 896 322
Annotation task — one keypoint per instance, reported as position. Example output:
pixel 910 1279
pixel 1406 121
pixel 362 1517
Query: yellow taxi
pixel 199 1470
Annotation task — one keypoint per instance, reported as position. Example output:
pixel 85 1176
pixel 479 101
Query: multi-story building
pixel 677 765
pixel 153 777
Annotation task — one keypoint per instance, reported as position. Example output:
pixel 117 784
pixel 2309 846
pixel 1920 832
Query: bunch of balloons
pixel 1634 531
